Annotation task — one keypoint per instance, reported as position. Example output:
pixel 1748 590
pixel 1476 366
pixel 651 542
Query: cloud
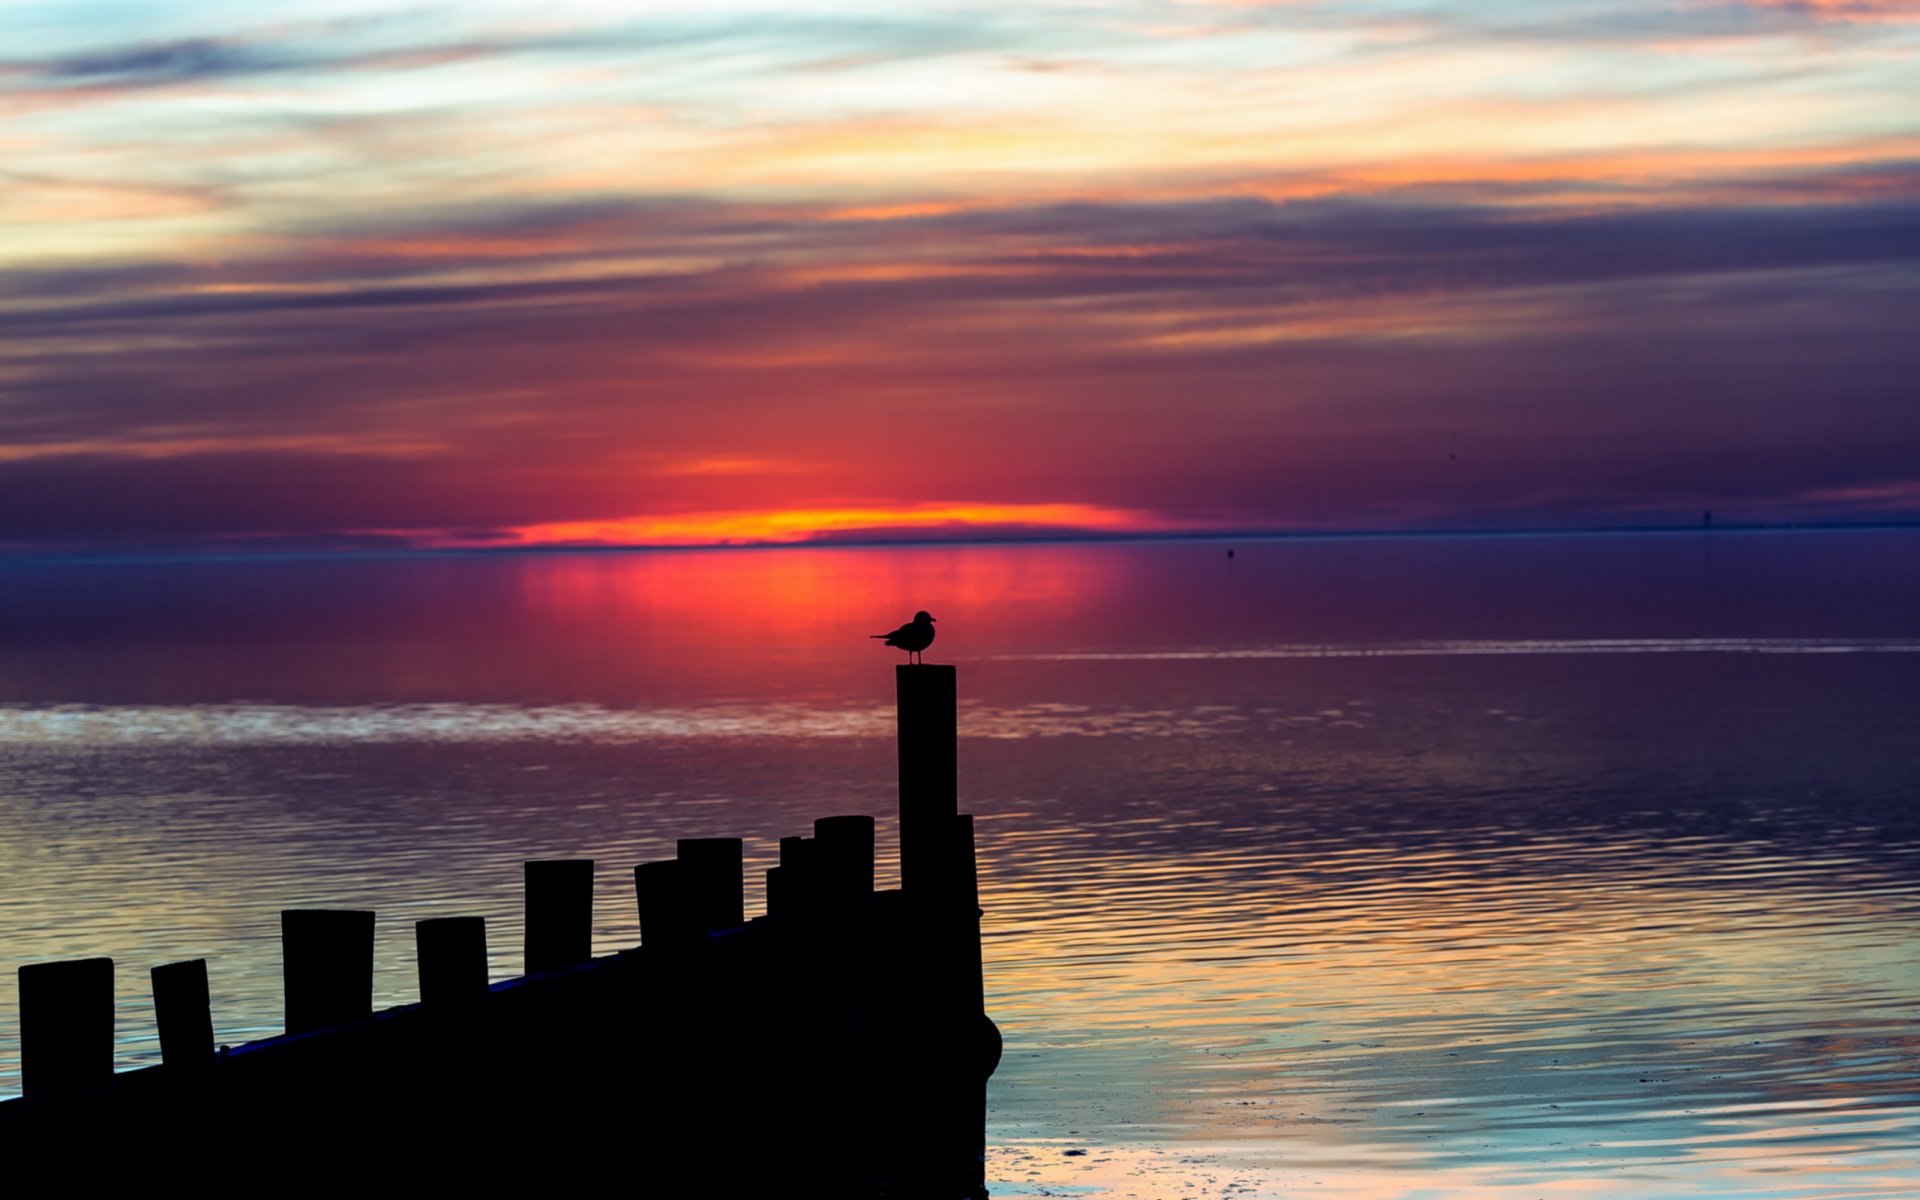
pixel 408 42
pixel 1318 265
pixel 165 62
pixel 516 264
pixel 1845 10
pixel 1441 368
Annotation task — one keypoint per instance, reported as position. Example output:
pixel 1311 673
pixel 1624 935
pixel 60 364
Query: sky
pixel 343 274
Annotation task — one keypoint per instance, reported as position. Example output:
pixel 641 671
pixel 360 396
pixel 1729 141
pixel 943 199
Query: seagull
pixel 913 637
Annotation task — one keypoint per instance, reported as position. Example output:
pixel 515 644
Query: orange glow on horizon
pixel 786 526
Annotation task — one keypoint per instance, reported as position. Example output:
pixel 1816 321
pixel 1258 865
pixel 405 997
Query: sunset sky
pixel 344 273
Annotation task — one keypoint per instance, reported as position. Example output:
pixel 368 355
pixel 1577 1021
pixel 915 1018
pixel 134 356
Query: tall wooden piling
pixel 327 966
pixel 453 961
pixel 184 1013
pixel 929 767
pixel 936 984
pixel 66 1026
pixel 559 902
pixel 714 883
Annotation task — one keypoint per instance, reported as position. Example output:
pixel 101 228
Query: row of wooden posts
pixel 67 1019
pixel 840 1038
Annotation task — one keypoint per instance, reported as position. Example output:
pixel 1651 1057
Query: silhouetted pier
pixel 835 1046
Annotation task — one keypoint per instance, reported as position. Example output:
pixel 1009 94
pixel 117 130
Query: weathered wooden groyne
pixel 835 1046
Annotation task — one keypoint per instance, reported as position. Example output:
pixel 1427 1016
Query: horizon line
pixel 228 554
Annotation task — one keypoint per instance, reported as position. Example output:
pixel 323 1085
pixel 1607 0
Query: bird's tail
pixel 879 635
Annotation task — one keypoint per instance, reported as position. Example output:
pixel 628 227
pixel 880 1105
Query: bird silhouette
pixel 913 637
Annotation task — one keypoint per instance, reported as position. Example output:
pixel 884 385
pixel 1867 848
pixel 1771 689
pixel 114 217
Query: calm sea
pixel 1370 868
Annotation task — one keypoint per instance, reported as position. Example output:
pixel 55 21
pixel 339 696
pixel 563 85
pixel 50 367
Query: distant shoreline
pixel 24 558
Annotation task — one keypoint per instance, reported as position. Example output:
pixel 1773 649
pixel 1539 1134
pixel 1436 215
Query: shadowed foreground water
pixel 1481 867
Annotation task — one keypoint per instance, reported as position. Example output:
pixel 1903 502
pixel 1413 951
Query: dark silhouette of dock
pixel 835 1046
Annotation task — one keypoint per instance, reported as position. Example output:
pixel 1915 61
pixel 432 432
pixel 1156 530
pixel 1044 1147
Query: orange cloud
pixel 723 466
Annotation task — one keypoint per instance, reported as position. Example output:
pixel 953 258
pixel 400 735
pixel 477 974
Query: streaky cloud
pixel 465 273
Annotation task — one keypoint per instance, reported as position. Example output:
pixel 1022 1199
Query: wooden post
pixel 453 960
pixel 66 1026
pixel 663 917
pixel 780 897
pixel 792 887
pixel 559 913
pixel 962 864
pixel 794 850
pixel 843 857
pixel 975 1068
pixel 936 982
pixel 714 882
pixel 929 726
pixel 935 988
pixel 184 1014
pixel 327 966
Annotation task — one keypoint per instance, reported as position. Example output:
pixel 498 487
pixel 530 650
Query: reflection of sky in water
pixel 1499 867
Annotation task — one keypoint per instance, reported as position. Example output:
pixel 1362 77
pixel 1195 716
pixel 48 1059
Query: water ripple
pixel 1486 647
pixel 242 724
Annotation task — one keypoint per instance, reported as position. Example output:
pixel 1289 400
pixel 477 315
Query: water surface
pixel 1357 868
